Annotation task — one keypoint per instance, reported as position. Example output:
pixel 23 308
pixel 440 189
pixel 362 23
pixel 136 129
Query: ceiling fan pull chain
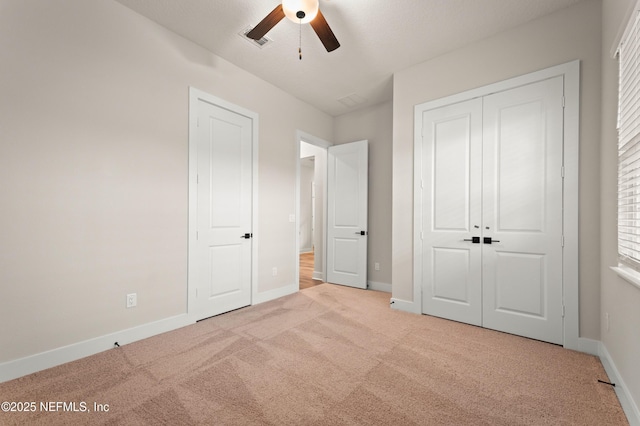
pixel 300 41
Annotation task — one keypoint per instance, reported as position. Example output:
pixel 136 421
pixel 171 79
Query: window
pixel 629 145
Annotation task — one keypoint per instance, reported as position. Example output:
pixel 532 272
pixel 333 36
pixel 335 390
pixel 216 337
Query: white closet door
pixel 522 273
pixel 492 211
pixel 452 185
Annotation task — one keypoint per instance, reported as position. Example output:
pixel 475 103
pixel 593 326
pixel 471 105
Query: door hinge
pixel 562 240
pixel 562 172
pixel 563 311
pixel 563 102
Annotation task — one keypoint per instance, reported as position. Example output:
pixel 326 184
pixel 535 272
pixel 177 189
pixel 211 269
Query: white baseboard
pixel 21 367
pixel 629 406
pixel 581 344
pixel 373 285
pixel 275 293
pixel 318 276
pixel 405 305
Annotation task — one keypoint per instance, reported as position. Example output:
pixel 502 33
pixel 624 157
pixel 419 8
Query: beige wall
pixel 619 299
pixel 569 34
pixel 375 125
pixel 306 206
pixel 93 169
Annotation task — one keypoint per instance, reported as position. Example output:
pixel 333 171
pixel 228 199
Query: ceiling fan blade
pixel 267 23
pixel 327 37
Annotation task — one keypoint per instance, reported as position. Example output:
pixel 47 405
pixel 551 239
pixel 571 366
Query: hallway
pixel 306 271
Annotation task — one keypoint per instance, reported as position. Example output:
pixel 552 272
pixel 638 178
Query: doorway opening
pixel 306 224
pixel 311 210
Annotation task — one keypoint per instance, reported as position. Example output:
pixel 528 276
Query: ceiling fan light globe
pixel 292 7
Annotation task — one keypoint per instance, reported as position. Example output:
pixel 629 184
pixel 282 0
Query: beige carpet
pixel 327 355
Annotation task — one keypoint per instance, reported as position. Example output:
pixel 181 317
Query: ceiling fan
pixel 302 12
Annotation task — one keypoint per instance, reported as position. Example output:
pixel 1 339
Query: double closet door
pixel 492 197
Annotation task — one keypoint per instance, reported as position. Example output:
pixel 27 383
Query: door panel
pixel 346 255
pixel 346 174
pixel 347 201
pixel 522 201
pixel 228 259
pixel 451 148
pixel 451 269
pixel 224 210
pixel 520 161
pixel 452 138
pixel 225 171
pixel 520 283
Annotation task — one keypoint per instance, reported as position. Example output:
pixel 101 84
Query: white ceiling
pixel 377 37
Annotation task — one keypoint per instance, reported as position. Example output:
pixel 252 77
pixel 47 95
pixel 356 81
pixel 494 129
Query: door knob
pixel 474 240
pixel 247 235
pixel 489 240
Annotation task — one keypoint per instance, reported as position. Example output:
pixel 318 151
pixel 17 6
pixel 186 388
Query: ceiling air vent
pixel 258 43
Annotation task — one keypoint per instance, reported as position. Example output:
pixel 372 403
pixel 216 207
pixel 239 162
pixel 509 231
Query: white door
pixel 224 188
pixel 522 209
pixel 452 182
pixel 347 198
pixel 492 221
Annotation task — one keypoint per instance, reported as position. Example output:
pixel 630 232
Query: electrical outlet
pixel 132 300
pixel 377 266
pixel 274 271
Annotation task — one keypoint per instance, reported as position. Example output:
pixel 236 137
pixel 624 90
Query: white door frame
pixel 320 143
pixel 195 96
pixel 571 74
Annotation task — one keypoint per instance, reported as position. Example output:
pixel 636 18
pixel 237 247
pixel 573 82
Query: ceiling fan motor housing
pixel 300 11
